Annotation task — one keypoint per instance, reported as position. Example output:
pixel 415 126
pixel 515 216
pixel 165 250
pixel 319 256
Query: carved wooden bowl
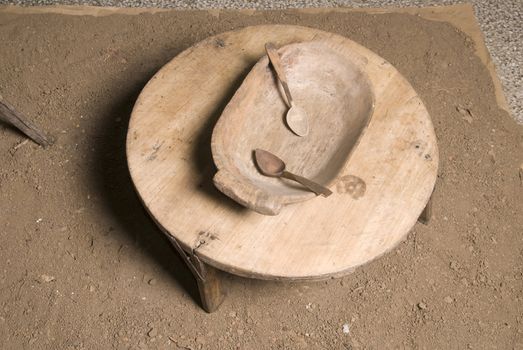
pixel 331 86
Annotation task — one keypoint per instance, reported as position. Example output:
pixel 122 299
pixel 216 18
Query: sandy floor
pixel 500 21
pixel 85 268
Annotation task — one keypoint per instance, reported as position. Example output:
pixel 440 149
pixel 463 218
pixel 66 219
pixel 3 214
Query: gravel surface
pixel 499 20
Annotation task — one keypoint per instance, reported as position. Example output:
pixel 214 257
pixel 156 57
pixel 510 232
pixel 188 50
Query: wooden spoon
pixel 296 117
pixel 271 165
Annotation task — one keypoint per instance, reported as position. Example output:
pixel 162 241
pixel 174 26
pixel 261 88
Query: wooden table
pixel 170 161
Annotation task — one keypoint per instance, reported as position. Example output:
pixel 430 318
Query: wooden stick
pixel 9 115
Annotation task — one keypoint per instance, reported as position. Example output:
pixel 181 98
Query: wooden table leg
pixel 210 287
pixel 207 277
pixel 426 214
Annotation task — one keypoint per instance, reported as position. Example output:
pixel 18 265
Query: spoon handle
pixel 311 185
pixel 274 58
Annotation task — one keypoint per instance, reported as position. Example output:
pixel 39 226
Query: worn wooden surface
pixel 378 196
pixel 328 83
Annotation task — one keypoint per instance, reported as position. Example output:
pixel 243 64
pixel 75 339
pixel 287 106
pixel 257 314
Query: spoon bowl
pixel 297 121
pixel 270 165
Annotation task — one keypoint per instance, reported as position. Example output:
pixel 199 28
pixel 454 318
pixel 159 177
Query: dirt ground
pixel 83 267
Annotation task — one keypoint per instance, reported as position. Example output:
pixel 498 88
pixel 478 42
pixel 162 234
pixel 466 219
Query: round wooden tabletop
pixel 377 197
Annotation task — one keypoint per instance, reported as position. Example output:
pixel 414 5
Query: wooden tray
pixel 329 82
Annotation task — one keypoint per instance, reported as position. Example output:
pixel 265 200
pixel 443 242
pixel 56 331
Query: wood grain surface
pixel 378 196
pixel 330 86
